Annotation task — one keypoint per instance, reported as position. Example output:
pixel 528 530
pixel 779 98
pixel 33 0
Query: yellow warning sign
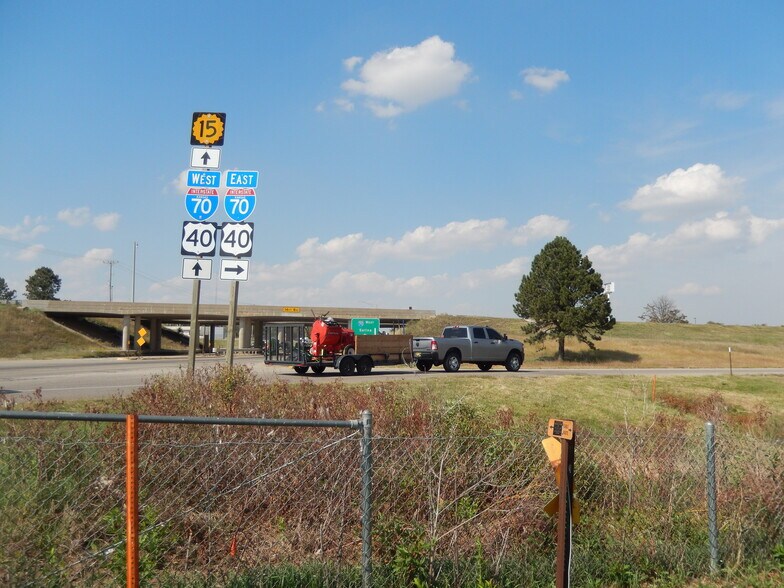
pixel 208 128
pixel 292 309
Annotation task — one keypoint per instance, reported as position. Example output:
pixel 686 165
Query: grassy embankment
pixel 642 344
pixel 29 334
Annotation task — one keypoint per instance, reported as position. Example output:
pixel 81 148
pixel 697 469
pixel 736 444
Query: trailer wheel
pixel 318 369
pixel 424 366
pixel 301 369
pixel 347 365
pixel 348 350
pixel 451 362
pixel 364 366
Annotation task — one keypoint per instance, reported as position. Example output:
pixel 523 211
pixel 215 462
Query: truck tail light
pixel 434 345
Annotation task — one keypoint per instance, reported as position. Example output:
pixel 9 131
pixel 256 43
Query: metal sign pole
pixel 194 332
pixel 233 291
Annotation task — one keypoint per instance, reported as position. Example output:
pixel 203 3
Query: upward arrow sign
pixel 205 158
pixel 197 269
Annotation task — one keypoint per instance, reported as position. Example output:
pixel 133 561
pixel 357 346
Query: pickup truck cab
pixel 483 346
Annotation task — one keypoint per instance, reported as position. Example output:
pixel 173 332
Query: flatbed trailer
pixel 290 344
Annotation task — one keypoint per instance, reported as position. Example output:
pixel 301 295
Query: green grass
pixel 28 334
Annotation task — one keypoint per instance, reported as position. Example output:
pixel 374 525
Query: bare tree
pixel 663 310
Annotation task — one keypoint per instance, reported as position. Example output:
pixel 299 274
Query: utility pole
pixel 133 276
pixel 111 263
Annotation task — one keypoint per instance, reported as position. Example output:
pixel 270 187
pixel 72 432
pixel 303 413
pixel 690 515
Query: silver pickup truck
pixel 483 346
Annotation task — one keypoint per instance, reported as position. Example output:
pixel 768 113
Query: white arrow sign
pixel 197 269
pixel 205 158
pixel 234 269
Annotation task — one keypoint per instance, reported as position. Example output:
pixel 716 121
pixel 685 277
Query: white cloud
pixel 694 289
pixel 179 185
pixel 75 217
pixel 404 78
pixel 30 253
pixel 485 277
pixel 515 94
pixel 320 107
pixel 427 243
pixel 544 79
pixel 106 221
pixel 775 109
pixel 699 187
pixel 726 100
pixel 762 228
pixel 78 217
pixel 351 62
pixel 699 238
pixel 30 228
pixel 85 277
pixel 540 227
pixel 344 104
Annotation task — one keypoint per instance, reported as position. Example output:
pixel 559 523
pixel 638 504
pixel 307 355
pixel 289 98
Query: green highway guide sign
pixel 365 326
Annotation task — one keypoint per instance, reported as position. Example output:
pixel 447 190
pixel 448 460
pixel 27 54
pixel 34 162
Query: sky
pixel 410 154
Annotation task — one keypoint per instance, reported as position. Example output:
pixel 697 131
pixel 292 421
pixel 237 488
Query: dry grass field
pixel 645 345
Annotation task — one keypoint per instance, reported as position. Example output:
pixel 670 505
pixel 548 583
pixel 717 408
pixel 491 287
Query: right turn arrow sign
pixel 234 269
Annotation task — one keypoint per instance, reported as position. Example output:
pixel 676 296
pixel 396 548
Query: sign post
pixel 559 447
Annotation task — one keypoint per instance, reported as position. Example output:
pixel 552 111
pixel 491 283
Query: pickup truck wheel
pixel 347 366
pixel 318 369
pixel 301 369
pixel 364 366
pixel 451 362
pixel 513 362
pixel 484 366
pixel 424 366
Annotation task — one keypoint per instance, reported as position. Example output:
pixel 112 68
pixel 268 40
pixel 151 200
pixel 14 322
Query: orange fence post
pixel 132 501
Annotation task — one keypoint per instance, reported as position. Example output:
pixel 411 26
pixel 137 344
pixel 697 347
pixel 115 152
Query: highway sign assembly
pixel 198 238
pixel 365 326
pixel 205 158
pixel 208 128
pixel 234 269
pixel 239 203
pixel 204 179
pixel 242 179
pixel 236 239
pixel 201 203
pixel 196 269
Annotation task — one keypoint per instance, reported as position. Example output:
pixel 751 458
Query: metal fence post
pixel 132 501
pixel 713 529
pixel 367 482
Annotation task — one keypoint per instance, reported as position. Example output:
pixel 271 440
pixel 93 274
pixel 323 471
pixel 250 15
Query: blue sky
pixel 410 155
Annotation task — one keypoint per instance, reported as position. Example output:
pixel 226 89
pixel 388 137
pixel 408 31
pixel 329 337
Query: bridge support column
pixel 257 334
pixel 126 332
pixel 155 334
pixel 137 324
pixel 244 333
pixel 212 339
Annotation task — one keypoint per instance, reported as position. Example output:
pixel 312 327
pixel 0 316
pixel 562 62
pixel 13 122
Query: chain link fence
pixel 233 505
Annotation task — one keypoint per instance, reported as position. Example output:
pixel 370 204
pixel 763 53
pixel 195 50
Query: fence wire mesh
pixel 225 505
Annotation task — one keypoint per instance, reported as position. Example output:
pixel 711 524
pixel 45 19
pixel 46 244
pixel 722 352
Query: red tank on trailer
pixel 330 339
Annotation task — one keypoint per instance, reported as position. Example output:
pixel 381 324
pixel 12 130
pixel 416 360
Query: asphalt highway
pixel 85 379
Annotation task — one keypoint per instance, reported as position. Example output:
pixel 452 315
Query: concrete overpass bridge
pixel 153 315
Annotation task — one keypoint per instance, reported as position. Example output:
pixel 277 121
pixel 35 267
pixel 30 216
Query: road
pixel 86 379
